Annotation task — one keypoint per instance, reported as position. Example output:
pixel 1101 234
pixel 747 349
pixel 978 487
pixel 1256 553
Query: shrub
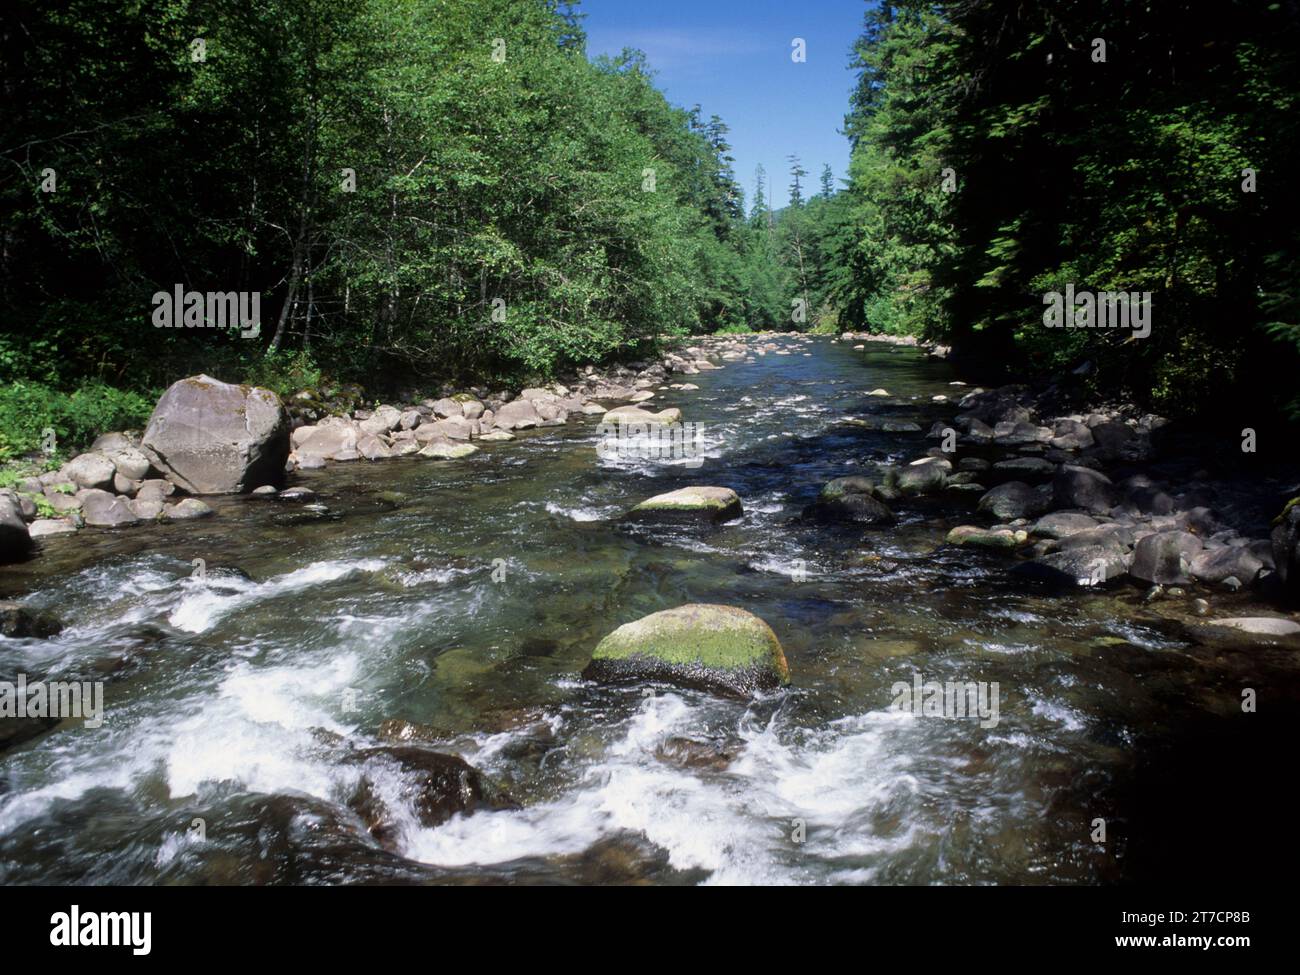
pixel 27 410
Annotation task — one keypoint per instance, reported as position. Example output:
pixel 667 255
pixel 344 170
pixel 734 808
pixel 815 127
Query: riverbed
pixel 466 596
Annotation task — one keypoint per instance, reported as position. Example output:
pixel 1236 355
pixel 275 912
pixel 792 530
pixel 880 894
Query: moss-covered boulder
pixel 986 537
pixel 923 476
pixel 713 504
pixel 716 648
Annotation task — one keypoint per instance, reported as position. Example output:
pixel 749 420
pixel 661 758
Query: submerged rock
pixel 716 648
pixel 692 754
pixel 435 785
pixel 883 424
pixel 690 504
pixel 1086 565
pixel 17 620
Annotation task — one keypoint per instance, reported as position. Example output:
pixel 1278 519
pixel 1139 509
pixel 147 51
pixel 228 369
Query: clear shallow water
pixel 471 603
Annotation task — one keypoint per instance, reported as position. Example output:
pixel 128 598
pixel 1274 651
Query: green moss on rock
pixel 718 648
pixel 983 538
pixel 711 503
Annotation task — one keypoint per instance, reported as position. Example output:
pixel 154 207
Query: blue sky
pixel 732 57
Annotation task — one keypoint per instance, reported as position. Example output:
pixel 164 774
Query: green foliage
pixel 1116 175
pixel 501 223
pixel 27 410
pixel 284 373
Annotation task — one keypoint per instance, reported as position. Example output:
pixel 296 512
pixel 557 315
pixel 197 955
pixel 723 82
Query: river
pixel 466 596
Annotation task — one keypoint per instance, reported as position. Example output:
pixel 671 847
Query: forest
pixel 438 189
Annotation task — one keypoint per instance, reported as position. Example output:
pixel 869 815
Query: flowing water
pixel 467 596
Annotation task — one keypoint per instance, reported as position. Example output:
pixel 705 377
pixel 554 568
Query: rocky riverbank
pixel 1085 499
pixel 208 437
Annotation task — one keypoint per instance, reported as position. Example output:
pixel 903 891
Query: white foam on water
pixel 258 730
pixel 71 779
pixel 736 824
pixel 172 845
pixel 1062 714
pixel 202 605
pixel 1009 649
pixel 783 567
pixel 411 580
pixel 580 513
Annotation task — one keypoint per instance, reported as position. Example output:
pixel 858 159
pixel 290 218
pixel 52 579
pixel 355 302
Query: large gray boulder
pixel 15 542
pixel 91 470
pixel 384 418
pixel 1165 557
pixel 1071 435
pixel 1083 565
pixel 1286 549
pixel 327 441
pixel 104 510
pixel 1013 500
pixel 1229 561
pixel 1082 487
pixel 210 437
pixel 1118 441
pixel 1062 524
pixel 519 415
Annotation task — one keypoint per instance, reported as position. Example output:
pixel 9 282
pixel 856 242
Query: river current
pixel 466 597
